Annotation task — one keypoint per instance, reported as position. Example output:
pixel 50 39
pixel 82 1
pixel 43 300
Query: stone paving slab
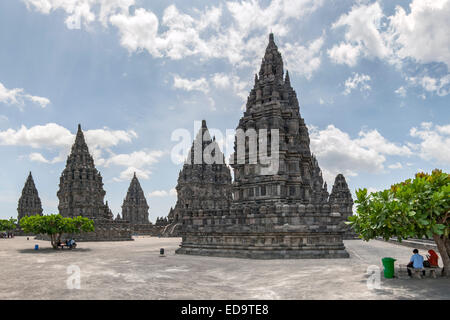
pixel 134 270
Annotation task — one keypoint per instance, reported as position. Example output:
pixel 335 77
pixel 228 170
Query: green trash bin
pixel 388 264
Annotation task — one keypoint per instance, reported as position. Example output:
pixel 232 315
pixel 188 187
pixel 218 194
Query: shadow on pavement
pixel 51 250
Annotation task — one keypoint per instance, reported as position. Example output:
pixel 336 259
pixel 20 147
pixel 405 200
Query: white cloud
pixel 54 137
pixel 223 81
pixel 422 34
pixel 128 173
pixel 435 142
pixel 17 97
pixel 401 91
pixel 162 193
pixel 137 159
pixel 439 86
pixel 303 60
pixel 357 81
pixel 177 35
pixel 362 33
pixel 190 85
pixel 337 152
pixel 345 53
pixel 81 12
pixel 396 165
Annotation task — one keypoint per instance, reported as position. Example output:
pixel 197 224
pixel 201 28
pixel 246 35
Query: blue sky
pixel 372 79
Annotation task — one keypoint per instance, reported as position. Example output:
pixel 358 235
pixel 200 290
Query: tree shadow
pixel 51 250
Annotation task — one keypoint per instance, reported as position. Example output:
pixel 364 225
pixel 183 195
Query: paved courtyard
pixel 134 270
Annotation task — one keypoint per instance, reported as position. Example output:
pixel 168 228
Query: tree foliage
pixel 8 225
pixel 415 208
pixel 56 225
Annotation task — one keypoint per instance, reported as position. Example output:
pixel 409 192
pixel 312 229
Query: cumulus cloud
pixel 162 193
pixel 419 35
pixel 439 86
pixel 396 165
pixel 17 97
pixel 137 161
pixel 190 84
pixel 54 137
pixel 238 38
pixel 344 53
pixel 401 91
pixel 362 34
pixel 128 173
pixel 422 34
pixel 357 81
pixel 435 142
pixel 337 152
pixel 81 12
pixel 303 60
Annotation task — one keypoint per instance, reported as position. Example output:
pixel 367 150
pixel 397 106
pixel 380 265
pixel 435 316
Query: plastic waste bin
pixel 388 264
pixel 36 247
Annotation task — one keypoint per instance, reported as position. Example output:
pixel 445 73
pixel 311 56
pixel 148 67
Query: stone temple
pixel 135 207
pixel 280 208
pixel 201 186
pixel 29 202
pixel 342 202
pixel 81 193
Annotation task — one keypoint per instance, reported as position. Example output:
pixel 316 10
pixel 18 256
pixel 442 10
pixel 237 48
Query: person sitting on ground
pixel 432 259
pixel 415 262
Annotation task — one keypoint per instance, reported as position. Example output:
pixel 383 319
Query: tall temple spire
pixel 135 207
pixel 204 184
pixel 272 63
pixel 29 202
pixel 81 188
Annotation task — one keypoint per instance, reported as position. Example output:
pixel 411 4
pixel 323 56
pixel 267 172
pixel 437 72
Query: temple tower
pixel 29 202
pixel 81 188
pixel 135 207
pixel 203 183
pixel 341 201
pixel 280 207
pixel 273 105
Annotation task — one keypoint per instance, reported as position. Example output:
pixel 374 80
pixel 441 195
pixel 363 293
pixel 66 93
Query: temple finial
pixel 287 79
pixel 204 124
pixel 271 39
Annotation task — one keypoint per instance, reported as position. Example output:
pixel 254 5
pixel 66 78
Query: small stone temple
pixel 29 202
pixel 135 209
pixel 81 193
pixel 201 185
pixel 277 213
pixel 341 201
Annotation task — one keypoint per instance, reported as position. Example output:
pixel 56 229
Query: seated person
pixel 432 259
pixel 415 262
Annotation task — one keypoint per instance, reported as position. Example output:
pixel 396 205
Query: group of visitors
pixel 417 261
pixel 70 243
pixel 5 235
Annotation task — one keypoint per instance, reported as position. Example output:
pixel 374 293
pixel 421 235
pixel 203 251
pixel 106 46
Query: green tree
pixel 55 226
pixel 418 208
pixel 8 225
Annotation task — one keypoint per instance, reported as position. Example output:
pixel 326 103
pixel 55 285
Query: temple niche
pixel 280 208
pixel 29 202
pixel 204 182
pixel 81 193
